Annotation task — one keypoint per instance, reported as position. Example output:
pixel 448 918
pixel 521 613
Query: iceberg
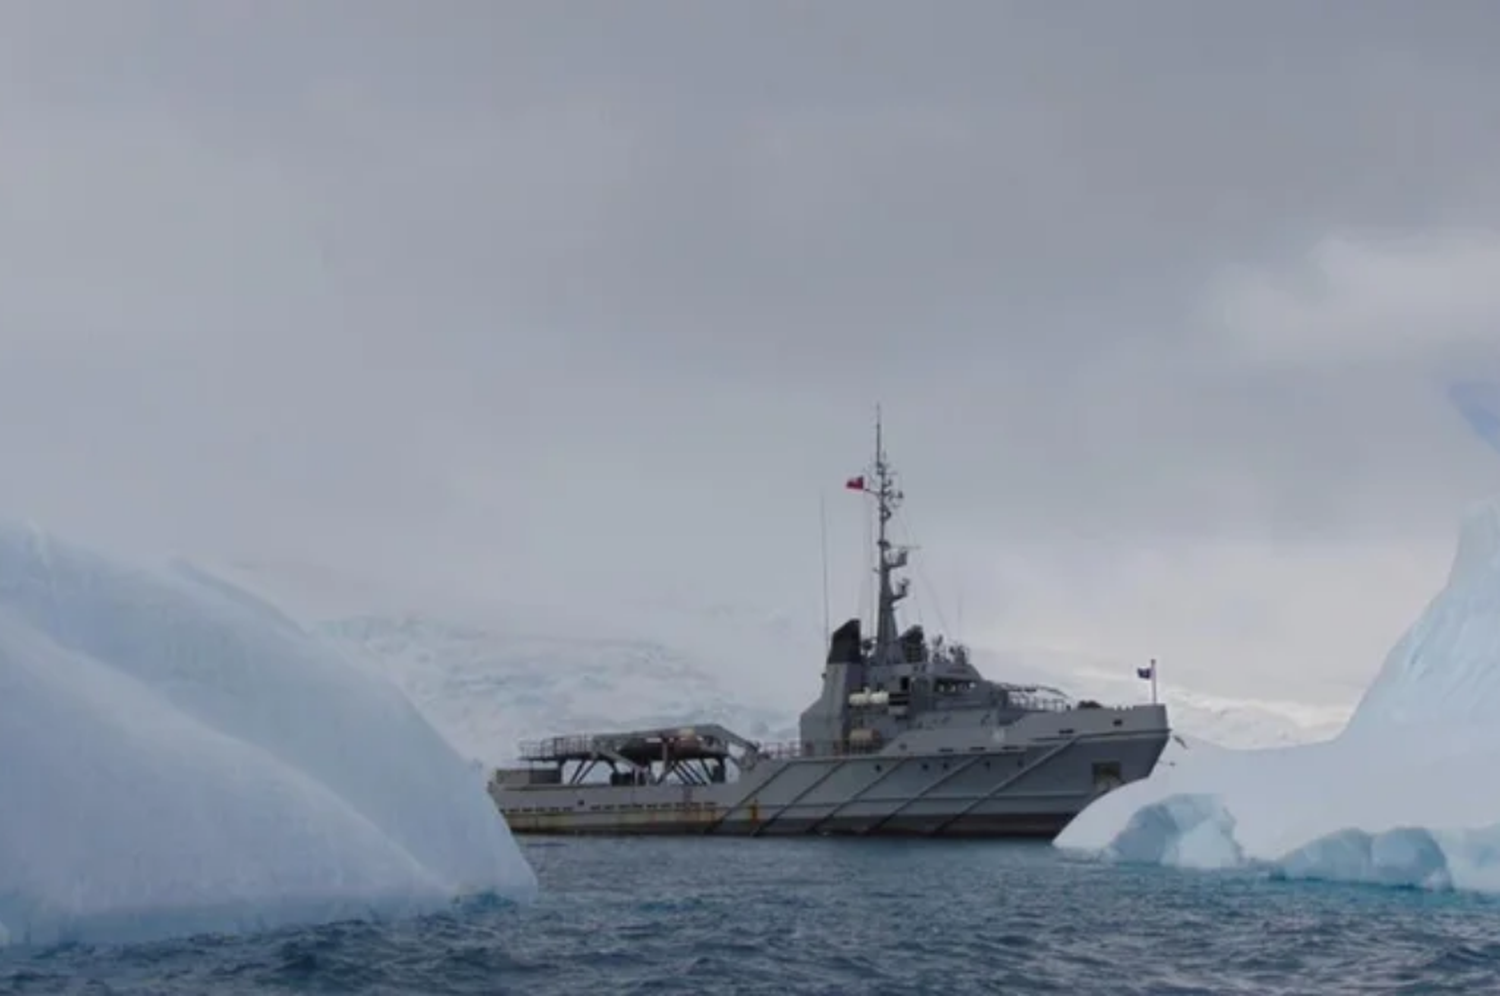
pixel 1479 404
pixel 181 758
pixel 1399 797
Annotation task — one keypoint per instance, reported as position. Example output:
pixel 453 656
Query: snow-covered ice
pixel 1401 796
pixel 180 757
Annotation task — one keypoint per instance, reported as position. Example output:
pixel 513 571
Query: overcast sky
pixel 1159 299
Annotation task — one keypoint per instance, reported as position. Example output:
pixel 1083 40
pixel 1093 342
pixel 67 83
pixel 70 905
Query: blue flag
pixel 1145 673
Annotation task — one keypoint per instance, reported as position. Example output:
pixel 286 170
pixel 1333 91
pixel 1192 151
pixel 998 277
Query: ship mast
pixel 889 558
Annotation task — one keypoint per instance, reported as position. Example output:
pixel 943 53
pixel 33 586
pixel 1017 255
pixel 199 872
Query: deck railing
pixel 558 748
pixel 584 745
pixel 790 750
pixel 1040 702
pixel 555 747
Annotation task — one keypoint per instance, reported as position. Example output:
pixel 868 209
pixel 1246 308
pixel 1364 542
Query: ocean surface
pixel 720 916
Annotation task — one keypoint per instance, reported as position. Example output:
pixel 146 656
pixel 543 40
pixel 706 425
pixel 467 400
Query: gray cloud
pixel 594 297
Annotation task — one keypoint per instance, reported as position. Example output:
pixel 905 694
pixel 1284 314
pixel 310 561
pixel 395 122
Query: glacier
pixel 180 757
pixel 1399 797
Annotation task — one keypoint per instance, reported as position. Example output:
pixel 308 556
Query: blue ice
pixel 180 757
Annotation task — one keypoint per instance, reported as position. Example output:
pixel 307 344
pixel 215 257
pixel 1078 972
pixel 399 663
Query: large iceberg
pixel 1401 796
pixel 177 756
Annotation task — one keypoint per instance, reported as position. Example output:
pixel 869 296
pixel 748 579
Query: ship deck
pixel 637 747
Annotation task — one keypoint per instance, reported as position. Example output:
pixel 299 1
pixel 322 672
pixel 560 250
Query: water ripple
pixel 787 918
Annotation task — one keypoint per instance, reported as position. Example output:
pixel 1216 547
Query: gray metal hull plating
pixel 999 791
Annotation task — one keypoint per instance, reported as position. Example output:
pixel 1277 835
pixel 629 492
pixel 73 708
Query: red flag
pixel 855 483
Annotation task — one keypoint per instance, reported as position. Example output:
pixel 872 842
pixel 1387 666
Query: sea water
pixel 829 916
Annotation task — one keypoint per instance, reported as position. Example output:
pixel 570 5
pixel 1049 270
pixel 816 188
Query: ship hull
pixel 1019 826
pixel 1031 791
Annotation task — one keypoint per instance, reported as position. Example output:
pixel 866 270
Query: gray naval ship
pixel 906 738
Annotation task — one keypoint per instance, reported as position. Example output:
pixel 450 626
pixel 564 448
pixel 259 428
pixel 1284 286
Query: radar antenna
pixel 889 558
pixel 881 484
